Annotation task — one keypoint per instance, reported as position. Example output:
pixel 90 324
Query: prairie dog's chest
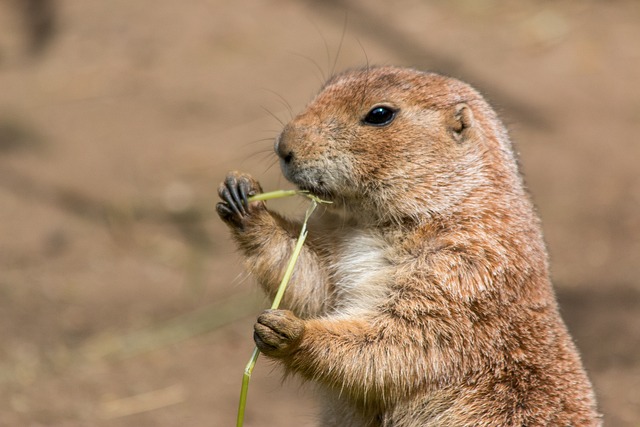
pixel 361 270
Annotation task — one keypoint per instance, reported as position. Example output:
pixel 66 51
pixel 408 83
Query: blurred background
pixel 122 299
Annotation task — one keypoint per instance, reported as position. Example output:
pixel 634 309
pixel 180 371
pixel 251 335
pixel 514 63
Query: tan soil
pixel 118 119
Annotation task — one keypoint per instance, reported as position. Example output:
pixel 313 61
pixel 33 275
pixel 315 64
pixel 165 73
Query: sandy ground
pixel 122 301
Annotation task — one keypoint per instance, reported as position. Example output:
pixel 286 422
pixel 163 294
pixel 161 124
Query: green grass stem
pixel 274 195
pixel 248 370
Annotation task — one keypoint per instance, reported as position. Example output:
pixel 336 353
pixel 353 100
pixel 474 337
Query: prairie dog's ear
pixel 460 121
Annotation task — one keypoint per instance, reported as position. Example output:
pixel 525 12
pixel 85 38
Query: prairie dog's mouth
pixel 317 188
pixel 319 193
pixel 311 180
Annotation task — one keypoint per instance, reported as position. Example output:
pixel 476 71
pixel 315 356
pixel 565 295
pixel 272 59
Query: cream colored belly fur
pixel 361 273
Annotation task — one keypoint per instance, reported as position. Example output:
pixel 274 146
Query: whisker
pixel 344 31
pixel 282 101
pixel 257 153
pixel 272 115
pixel 272 164
pixel 315 64
pixel 257 141
pixel 365 85
pixel 364 52
pixel 326 48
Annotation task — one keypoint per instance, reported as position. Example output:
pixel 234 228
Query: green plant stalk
pixel 248 370
pixel 273 195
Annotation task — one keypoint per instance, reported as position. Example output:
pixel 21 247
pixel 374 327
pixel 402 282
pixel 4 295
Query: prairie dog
pixel 422 296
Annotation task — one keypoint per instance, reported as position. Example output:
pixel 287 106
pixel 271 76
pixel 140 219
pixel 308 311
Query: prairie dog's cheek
pixel 342 172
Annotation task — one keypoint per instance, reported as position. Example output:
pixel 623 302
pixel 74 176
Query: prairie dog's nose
pixel 282 146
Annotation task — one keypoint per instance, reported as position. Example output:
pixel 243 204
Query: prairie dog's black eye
pixel 379 116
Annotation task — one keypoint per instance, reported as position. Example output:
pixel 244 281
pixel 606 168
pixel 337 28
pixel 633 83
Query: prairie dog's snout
pixel 311 158
pixel 282 149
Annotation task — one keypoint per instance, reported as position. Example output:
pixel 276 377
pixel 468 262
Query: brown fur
pixel 423 295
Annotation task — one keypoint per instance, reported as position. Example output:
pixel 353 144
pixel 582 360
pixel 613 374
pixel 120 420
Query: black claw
pixel 231 204
pixel 224 210
pixel 235 192
pixel 237 201
pixel 244 193
pixel 232 185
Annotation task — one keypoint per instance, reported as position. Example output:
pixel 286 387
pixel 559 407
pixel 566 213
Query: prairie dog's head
pixel 394 144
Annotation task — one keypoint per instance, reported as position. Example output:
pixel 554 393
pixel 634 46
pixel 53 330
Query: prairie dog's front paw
pixel 278 332
pixel 235 191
